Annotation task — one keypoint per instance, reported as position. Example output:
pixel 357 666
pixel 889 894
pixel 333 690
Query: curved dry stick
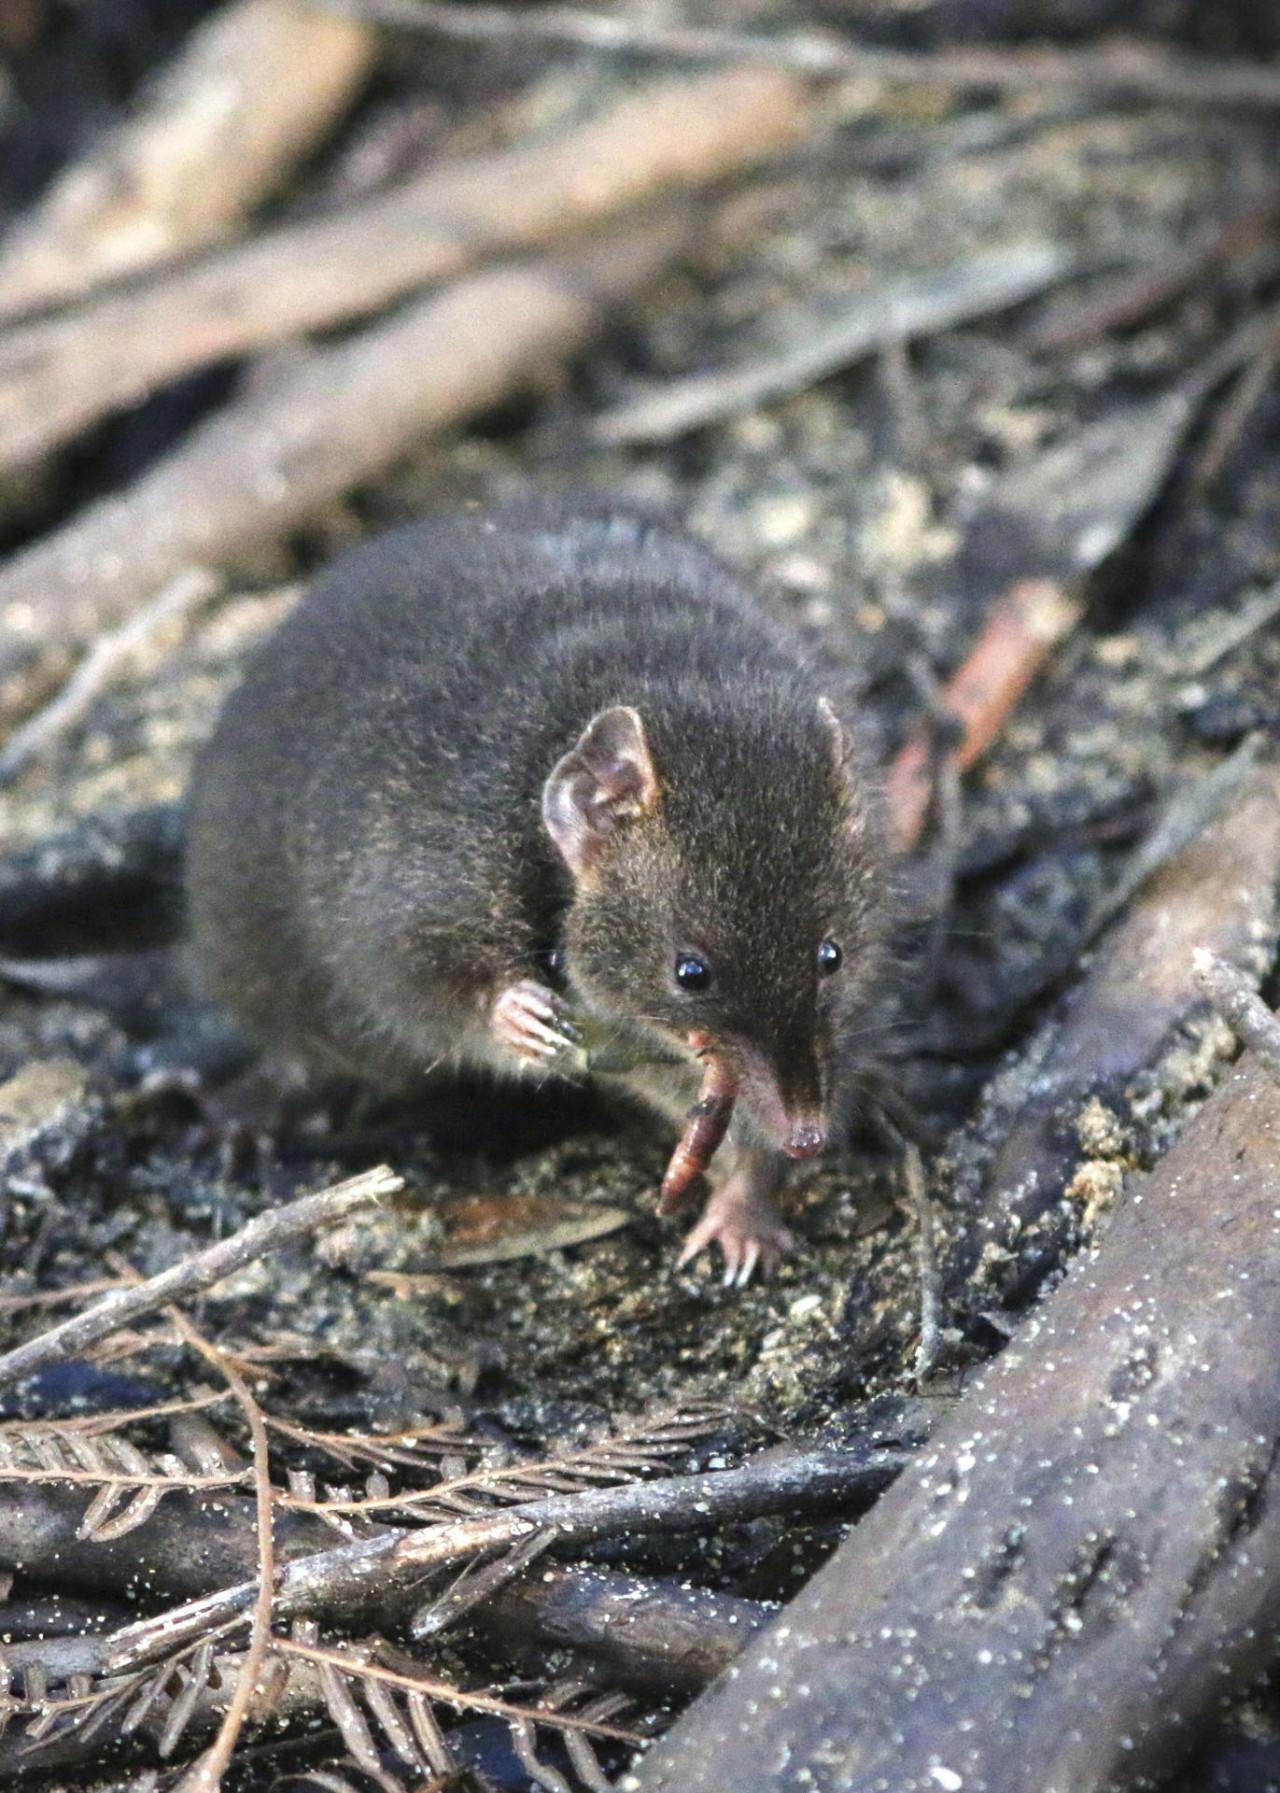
pixel 707 1125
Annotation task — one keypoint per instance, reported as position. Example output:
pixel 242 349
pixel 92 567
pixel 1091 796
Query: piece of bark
pixel 1217 893
pixel 1088 1551
pixel 271 458
pixel 257 87
pixel 60 374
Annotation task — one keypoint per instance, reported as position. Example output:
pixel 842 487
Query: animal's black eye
pixel 692 972
pixel 830 958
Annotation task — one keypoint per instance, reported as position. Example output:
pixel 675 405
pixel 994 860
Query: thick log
pixel 1133 1005
pixel 1089 1550
pixel 256 87
pixel 272 457
pixel 60 374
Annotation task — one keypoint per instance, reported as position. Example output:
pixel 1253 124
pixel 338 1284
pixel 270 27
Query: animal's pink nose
pixel 807 1139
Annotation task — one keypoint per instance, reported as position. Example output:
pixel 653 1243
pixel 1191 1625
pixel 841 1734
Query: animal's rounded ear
pixel 845 754
pixel 841 742
pixel 605 781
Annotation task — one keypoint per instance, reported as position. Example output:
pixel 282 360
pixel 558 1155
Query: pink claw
pixel 746 1227
pixel 532 1021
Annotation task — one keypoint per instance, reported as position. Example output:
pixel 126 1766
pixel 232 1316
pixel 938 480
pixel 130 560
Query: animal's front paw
pixel 747 1228
pixel 533 1022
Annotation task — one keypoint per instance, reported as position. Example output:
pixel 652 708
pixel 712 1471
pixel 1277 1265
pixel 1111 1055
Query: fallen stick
pixel 1021 631
pixel 61 374
pixel 256 87
pixel 826 340
pixel 1088 1551
pixel 1140 70
pixel 271 458
pixel 267 1232
pixel 346 1580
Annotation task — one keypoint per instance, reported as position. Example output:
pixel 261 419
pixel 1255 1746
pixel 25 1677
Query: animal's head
pixel 725 891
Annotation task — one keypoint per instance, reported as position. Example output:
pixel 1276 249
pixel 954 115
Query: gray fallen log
pixel 1089 1550
pixel 1137 1001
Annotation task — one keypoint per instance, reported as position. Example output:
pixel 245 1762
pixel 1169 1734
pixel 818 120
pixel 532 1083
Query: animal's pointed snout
pixel 807 1138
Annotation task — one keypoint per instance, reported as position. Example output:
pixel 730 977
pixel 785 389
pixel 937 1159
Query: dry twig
pixel 176 603
pixel 266 1233
pixel 825 340
pixel 255 89
pixel 1238 1002
pixel 1021 631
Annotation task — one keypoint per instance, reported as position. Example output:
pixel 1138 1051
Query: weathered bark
pixel 1090 1546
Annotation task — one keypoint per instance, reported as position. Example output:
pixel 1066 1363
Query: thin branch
pixel 824 341
pixel 176 603
pixel 1240 1006
pixel 1021 631
pixel 265 1233
pixel 1137 69
pixel 207 1773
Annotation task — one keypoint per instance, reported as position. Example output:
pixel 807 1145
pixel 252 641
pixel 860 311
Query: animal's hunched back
pixel 495 769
